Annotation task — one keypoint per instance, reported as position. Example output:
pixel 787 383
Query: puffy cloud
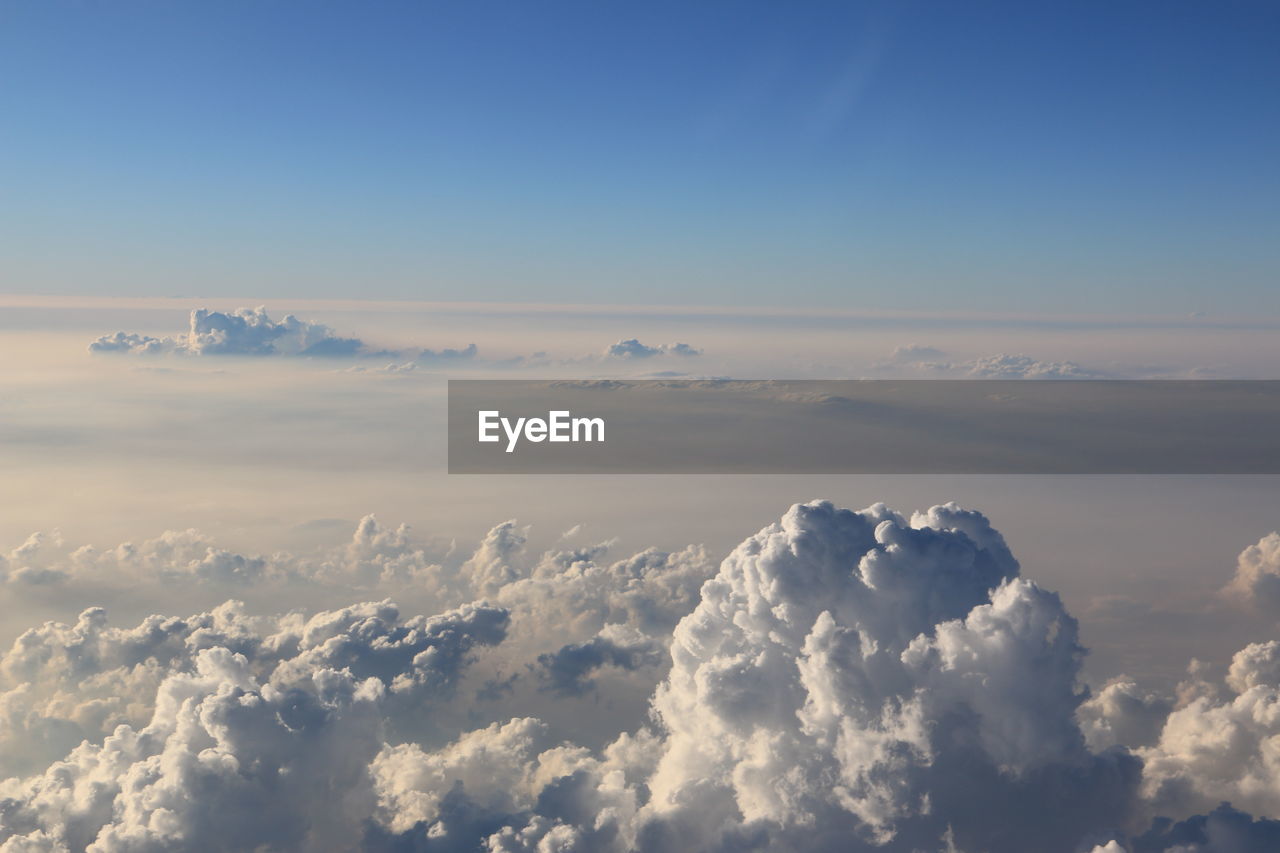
pixel 491 566
pixel 1257 578
pixel 252 332
pixel 187 554
pixel 855 675
pixel 1256 665
pixel 843 681
pixel 1123 714
pixel 496 767
pixel 1223 830
pixel 578 592
pixel 258 733
pixel 633 349
pixel 413 658
pixel 568 595
pixel 28 563
pixel 375 557
pixel 568 670
pixel 1004 366
pixel 124 342
pixel 245 331
pixel 845 676
pixel 1221 748
pixel 175 555
pixel 512 783
pixel 926 360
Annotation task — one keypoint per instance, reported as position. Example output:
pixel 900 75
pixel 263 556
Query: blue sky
pixel 1102 156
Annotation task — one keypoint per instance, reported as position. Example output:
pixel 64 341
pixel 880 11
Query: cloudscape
pixel 845 426
pixel 841 680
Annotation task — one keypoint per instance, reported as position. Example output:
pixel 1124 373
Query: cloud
pixel 1257 578
pixel 390 367
pixel 633 349
pixel 926 360
pixel 854 674
pixel 25 564
pixel 252 332
pixel 842 681
pixel 258 732
pixel 1223 830
pixel 1218 747
pixel 1256 665
pixel 916 352
pixel 124 342
pixel 375 557
pixel 446 355
pixel 1004 366
pixel 578 592
pixel 568 670
pixel 1123 714
pixel 244 331
pixel 497 767
pixel 491 566
pixel 175 555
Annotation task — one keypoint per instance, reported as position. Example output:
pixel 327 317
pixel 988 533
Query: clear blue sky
pixel 1020 156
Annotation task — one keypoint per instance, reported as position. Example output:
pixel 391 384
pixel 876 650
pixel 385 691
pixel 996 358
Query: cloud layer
pixel 843 681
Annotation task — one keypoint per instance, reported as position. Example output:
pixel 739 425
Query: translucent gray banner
pixel 863 427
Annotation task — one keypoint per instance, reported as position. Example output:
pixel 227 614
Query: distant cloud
pixel 122 342
pixel 916 352
pixel 926 360
pixel 252 332
pixel 429 356
pixel 633 349
pixel 1024 367
pixel 390 367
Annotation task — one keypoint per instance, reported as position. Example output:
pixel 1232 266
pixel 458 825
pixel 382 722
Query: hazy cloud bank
pixel 931 361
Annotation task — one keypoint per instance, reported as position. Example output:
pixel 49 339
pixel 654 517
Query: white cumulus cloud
pixel 633 349
pixel 843 681
pixel 1257 578
pixel 252 332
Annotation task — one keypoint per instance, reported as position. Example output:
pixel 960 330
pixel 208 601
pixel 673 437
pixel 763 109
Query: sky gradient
pixel 977 156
